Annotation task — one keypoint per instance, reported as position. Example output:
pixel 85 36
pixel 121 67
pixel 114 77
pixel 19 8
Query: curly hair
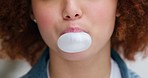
pixel 20 37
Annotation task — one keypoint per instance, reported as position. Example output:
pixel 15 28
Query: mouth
pixel 73 30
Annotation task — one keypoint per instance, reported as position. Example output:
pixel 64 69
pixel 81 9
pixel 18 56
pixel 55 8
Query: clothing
pixel 115 70
pixel 39 70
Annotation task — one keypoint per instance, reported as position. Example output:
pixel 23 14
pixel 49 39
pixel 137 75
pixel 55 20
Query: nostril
pixel 76 15
pixel 67 16
pixel 72 16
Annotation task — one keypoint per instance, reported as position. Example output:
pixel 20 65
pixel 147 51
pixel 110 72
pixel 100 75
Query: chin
pixel 80 56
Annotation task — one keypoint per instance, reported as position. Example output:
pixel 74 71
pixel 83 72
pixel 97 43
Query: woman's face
pixel 97 17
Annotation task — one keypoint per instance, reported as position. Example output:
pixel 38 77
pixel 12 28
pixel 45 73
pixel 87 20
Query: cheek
pixel 103 19
pixel 101 11
pixel 46 23
pixel 44 18
pixel 44 14
pixel 102 14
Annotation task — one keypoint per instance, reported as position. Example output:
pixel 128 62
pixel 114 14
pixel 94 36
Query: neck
pixel 97 66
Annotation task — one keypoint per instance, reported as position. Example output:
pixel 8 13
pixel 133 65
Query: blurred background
pixel 13 69
pixel 17 68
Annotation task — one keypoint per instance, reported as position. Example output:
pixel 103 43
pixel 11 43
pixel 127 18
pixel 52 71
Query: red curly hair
pixel 20 37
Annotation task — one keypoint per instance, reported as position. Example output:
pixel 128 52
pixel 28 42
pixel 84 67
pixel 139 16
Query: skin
pixel 97 17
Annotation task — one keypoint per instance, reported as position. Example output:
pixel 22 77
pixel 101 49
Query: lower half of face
pixel 100 35
pixel 97 20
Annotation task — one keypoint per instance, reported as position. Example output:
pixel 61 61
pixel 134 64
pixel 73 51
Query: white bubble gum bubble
pixel 74 42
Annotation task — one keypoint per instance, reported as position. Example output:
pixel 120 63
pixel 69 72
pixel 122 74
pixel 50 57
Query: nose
pixel 71 11
pixel 72 16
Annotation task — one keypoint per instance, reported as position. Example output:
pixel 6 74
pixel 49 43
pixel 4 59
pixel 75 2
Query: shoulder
pixel 125 71
pixel 132 74
pixel 39 70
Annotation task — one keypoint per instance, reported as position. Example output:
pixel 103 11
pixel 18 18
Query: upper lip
pixel 73 27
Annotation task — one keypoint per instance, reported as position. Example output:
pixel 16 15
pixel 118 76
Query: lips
pixel 75 29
